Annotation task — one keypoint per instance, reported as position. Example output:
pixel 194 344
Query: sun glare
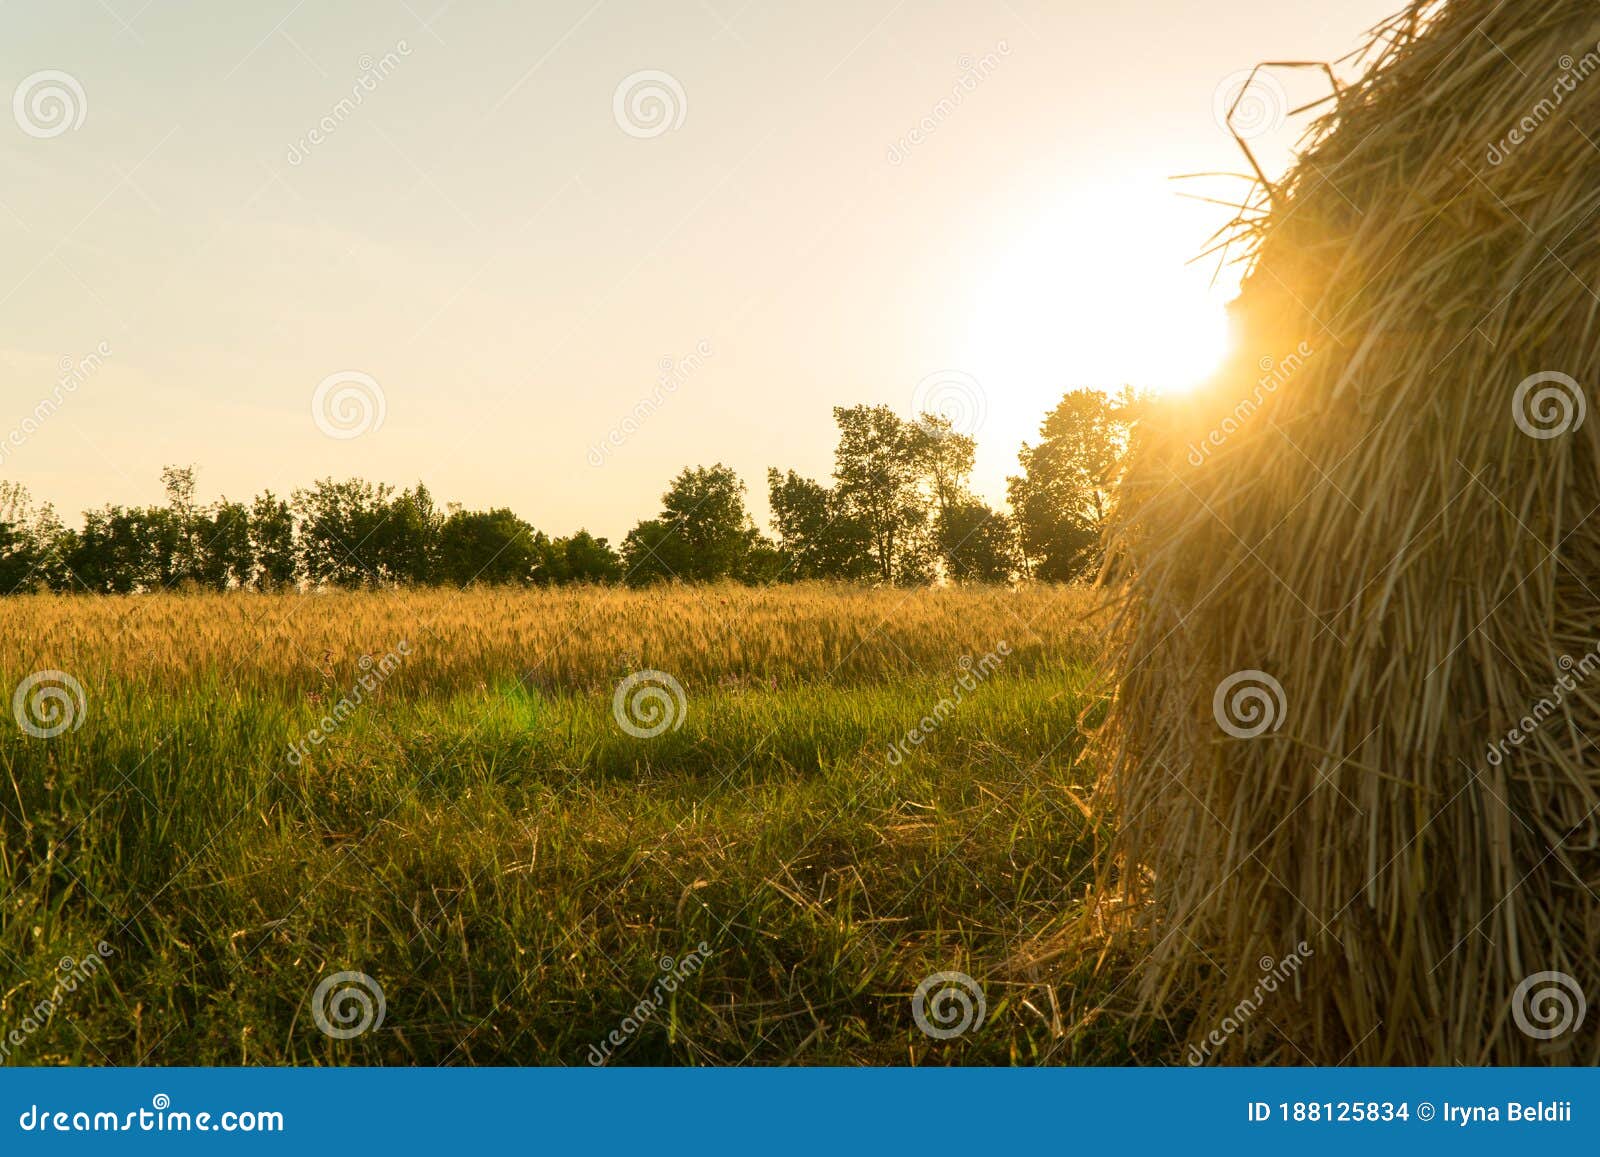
pixel 1083 300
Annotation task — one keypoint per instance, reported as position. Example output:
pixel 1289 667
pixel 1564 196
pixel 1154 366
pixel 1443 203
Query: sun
pixel 1099 297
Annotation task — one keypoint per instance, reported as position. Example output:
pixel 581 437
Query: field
pixel 857 789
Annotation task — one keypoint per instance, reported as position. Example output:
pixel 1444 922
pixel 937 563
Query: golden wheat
pixel 570 638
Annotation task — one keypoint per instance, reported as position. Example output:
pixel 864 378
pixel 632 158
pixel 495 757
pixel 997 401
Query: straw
pixel 1369 525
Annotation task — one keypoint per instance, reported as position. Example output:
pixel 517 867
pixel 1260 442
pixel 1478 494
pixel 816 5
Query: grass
pixel 482 839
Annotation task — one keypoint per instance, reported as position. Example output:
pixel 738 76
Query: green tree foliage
pixel 653 553
pixel 17 562
pixel 879 466
pixel 337 522
pixel 703 533
pixel 705 509
pixel 348 533
pixel 944 458
pixel 817 537
pixel 900 510
pixel 763 565
pixel 30 542
pixel 225 556
pixel 176 531
pixel 120 550
pixel 579 558
pixel 487 546
pixel 129 549
pixel 272 542
pixel 974 543
pixel 977 544
pixel 1063 496
pixel 405 543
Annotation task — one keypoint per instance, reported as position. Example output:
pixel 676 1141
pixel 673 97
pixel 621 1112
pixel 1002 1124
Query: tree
pixel 900 511
pixel 272 542
pixel 178 530
pixel 226 556
pixel 121 550
pixel 579 558
pixel 1063 496
pixel 17 561
pixel 978 545
pixel 129 549
pixel 653 552
pixel 703 533
pixel 946 458
pixel 975 544
pixel 879 466
pixel 337 521
pixel 763 564
pixel 487 546
pixel 705 508
pixel 404 544
pixel 31 542
pixel 817 537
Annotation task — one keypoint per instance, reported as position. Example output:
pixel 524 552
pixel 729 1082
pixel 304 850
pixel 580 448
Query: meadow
pixel 237 796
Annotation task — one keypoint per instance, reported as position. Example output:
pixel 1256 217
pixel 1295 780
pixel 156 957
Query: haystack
pixel 1358 692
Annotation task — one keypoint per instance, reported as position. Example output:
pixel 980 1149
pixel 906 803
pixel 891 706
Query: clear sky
pixel 465 203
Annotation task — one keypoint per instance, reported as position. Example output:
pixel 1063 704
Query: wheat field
pixel 509 812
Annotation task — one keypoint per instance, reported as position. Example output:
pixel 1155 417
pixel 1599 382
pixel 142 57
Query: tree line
pixel 897 510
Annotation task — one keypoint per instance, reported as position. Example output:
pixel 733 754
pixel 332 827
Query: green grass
pixel 510 867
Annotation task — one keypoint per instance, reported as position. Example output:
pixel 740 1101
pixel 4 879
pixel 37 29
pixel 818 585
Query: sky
pixel 544 255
